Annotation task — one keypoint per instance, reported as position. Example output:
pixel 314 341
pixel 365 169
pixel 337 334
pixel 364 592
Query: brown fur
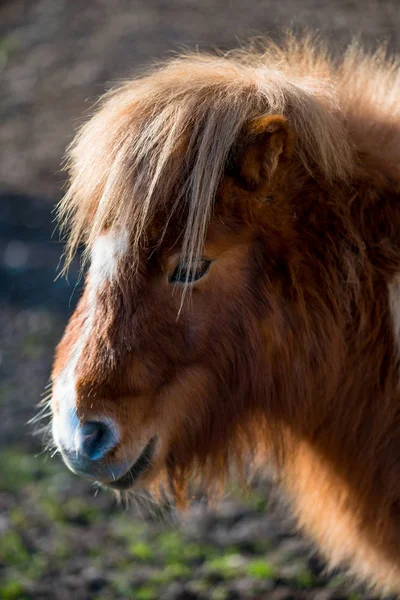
pixel 283 166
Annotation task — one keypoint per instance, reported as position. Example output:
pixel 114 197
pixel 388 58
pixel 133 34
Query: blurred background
pixel 59 538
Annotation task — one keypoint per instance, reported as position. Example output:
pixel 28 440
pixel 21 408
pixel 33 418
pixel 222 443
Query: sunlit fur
pixel 283 166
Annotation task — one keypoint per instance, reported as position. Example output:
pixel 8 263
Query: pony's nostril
pixel 94 439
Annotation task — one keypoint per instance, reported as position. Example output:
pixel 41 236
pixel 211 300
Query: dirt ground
pixel 59 537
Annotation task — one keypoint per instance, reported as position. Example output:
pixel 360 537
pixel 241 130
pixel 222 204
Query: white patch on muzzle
pixel 106 255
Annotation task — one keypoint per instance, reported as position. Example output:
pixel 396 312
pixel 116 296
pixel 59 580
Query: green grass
pixel 19 469
pixel 224 566
pixel 146 592
pixel 50 523
pixel 12 549
pixel 261 569
pixel 12 590
pixel 141 551
pixel 171 573
pixel 305 579
pixel 19 559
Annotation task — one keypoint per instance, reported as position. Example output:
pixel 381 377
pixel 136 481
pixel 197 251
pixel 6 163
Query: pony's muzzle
pixel 89 452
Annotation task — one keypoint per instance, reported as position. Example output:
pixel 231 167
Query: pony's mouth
pixel 141 465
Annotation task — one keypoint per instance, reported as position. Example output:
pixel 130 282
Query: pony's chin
pixel 140 468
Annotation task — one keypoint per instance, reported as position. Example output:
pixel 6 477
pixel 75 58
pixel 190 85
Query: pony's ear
pixel 265 143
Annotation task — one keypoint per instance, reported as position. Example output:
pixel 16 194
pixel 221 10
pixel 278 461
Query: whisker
pixel 42 415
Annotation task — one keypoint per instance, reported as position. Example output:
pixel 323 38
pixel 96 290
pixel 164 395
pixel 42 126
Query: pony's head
pixel 198 330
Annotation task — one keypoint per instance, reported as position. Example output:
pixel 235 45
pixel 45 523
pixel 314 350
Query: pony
pixel 240 215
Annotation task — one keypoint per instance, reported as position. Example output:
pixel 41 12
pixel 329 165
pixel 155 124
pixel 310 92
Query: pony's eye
pixel 182 274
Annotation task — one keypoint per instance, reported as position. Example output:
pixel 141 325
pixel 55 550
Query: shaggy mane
pixel 126 160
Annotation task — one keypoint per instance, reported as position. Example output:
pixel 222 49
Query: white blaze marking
pixel 107 252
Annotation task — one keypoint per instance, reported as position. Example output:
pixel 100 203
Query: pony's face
pixel 159 363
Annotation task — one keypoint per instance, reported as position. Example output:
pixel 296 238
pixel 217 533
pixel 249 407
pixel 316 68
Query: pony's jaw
pixel 142 467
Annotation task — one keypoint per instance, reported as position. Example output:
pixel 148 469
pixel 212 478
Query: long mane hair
pixel 126 161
